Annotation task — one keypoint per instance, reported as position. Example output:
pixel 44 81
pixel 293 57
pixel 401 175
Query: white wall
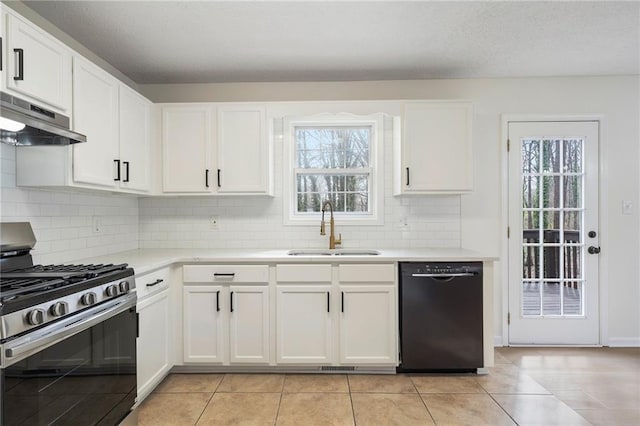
pixel 482 225
pixel 62 221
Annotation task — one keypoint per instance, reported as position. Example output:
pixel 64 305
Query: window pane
pixel 572 226
pixel 572 156
pixel 551 155
pixel 530 156
pixel 551 191
pixel 573 191
pixel 332 147
pixel 531 298
pixel 551 298
pixel 572 301
pixel 347 193
pixel 530 192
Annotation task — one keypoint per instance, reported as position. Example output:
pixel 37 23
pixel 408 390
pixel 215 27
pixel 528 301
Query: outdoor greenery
pixel 332 163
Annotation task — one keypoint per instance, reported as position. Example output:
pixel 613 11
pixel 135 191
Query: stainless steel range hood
pixel 23 123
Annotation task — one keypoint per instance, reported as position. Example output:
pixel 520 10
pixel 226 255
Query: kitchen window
pixel 335 158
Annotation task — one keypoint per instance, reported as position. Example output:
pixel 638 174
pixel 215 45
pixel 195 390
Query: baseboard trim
pixel 624 342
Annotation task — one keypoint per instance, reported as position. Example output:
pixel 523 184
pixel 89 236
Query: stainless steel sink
pixel 336 252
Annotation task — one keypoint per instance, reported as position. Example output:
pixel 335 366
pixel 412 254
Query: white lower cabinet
pixel 304 324
pixel 249 324
pixel 203 324
pixel 368 314
pixel 227 321
pixel 368 324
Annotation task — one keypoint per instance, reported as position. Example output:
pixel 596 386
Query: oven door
pixel 78 371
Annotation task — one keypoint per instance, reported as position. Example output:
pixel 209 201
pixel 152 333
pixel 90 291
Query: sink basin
pixel 335 252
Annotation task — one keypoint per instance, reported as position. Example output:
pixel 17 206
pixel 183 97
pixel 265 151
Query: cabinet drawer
pixel 303 273
pixel 367 273
pixel 152 282
pixel 225 273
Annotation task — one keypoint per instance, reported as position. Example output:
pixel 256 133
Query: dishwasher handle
pixel 454 275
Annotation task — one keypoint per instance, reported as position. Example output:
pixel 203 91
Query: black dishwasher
pixel 441 317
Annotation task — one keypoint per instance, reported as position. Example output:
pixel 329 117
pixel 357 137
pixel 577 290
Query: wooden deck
pixel 551 299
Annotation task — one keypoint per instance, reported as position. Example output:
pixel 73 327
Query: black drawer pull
pixel 221 274
pixel 328 301
pixel 407 176
pixel 342 298
pixel 218 301
pixel 231 301
pixel 155 283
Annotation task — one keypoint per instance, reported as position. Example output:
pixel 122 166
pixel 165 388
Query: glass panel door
pixel 553 196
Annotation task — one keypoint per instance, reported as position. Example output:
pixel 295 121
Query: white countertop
pixel 147 260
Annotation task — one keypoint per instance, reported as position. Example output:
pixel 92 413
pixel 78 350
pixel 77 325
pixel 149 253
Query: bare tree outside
pixel 332 163
pixel 552 179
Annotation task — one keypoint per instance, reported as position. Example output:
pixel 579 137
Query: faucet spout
pixel 333 241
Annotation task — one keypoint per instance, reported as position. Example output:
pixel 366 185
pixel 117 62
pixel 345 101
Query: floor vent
pixel 338 369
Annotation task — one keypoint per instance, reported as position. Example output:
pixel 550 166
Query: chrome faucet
pixel 332 236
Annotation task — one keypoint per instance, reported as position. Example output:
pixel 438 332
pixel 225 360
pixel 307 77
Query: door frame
pixel 603 258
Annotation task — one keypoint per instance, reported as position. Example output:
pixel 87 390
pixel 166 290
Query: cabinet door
pixel 3 47
pixel 135 138
pixel 186 140
pixel 436 152
pixel 38 65
pixel 203 324
pixel 249 324
pixel 368 331
pixel 95 114
pixel 304 324
pixel 153 342
pixel 243 157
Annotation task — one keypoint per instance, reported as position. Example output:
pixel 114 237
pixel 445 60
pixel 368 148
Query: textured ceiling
pixel 242 41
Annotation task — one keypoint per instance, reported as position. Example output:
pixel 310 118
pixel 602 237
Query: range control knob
pixel 112 290
pixel 35 316
pixel 59 309
pixel 124 286
pixel 88 299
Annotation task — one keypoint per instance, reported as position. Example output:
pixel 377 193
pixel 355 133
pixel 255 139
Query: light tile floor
pixel 528 386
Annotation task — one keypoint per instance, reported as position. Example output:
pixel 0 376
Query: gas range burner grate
pixel 42 278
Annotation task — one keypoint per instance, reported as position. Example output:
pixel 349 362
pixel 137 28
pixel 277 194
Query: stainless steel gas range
pixel 67 338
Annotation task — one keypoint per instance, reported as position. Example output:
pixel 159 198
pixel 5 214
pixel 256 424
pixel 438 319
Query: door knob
pixel 593 250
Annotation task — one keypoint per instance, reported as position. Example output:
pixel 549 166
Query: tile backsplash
pixel 63 221
pixel 185 222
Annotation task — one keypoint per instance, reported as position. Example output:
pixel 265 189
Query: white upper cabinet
pixel 95 114
pixel 116 121
pixel 38 67
pixel 135 140
pixel 3 46
pixel 215 149
pixel 434 155
pixel 243 155
pixel 186 148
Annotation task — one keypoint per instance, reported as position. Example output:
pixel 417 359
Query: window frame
pixel 375 216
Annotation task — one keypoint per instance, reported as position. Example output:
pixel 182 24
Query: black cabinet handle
pixel 117 178
pixel 206 178
pixel 342 301
pixel 231 301
pixel 218 178
pixel 126 171
pixel 328 301
pixel 155 283
pixel 407 176
pixel 20 75
pixel 218 301
pixel 221 274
